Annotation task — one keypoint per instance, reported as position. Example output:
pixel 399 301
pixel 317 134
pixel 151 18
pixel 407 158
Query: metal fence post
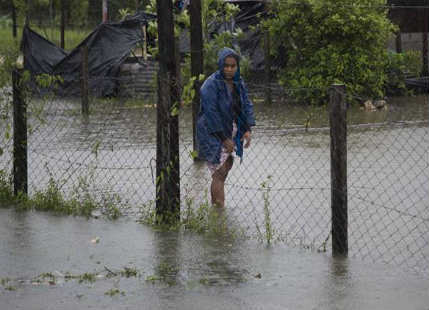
pixel 338 132
pixel 20 176
pixel 14 23
pixel 84 80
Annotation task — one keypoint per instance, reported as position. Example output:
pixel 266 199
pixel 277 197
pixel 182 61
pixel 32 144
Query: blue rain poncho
pixel 216 115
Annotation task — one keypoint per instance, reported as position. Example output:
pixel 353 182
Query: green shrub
pixel 321 42
pixel 6 193
pixel 400 66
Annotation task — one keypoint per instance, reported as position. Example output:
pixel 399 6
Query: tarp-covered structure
pixel 250 14
pixel 108 47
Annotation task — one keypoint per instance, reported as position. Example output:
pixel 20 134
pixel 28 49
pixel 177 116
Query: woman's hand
pixel 229 145
pixel 246 137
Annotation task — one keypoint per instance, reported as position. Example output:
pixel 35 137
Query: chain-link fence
pixel 283 185
pixel 283 188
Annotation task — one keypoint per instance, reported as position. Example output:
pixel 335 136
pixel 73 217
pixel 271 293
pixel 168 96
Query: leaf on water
pixel 95 240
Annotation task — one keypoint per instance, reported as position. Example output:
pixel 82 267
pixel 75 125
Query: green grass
pixel 6 193
pixel 201 218
pixel 51 199
pixel 72 37
pixel 268 233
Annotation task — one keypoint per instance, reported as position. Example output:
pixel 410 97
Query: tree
pixel 320 42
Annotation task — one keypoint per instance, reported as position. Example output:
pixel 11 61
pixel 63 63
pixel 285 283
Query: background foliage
pixel 315 42
pixel 321 42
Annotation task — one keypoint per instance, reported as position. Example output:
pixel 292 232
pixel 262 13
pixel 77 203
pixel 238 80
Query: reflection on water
pixel 179 270
pixel 338 282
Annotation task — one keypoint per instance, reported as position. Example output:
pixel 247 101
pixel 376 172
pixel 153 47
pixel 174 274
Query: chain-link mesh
pixel 284 180
pixel 281 190
pixel 6 141
pixel 388 183
pixel 111 153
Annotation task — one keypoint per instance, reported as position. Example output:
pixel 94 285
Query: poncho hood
pixel 223 53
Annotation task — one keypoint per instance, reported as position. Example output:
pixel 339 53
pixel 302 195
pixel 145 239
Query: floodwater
pixel 284 180
pixel 40 252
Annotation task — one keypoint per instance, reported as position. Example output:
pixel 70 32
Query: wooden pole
pixel 144 42
pixel 167 148
pixel 178 68
pixel 105 12
pixel 398 42
pixel 425 69
pixel 20 165
pixel 84 80
pixel 196 63
pixel 14 24
pixel 338 132
pixel 63 23
pixel 27 13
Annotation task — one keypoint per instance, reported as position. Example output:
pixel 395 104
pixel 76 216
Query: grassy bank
pixel 72 37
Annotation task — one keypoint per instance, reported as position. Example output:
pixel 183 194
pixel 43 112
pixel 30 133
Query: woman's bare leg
pixel 218 183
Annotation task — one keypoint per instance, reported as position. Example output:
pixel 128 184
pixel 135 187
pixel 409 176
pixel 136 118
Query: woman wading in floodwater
pixel 224 121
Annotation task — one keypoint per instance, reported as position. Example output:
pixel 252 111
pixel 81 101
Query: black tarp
pixel 418 83
pixel 108 46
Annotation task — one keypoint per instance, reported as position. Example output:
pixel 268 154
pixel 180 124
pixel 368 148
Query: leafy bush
pixel 400 66
pixel 321 42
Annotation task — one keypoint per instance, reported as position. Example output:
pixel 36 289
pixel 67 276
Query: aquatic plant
pixel 114 291
pixel 129 272
pixel 87 277
pixel 203 218
pixel 6 193
pixel 268 233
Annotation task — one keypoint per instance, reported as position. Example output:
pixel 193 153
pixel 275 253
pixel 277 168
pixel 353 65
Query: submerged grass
pixel 114 291
pixel 55 278
pixel 268 233
pixel 202 219
pixel 6 193
pixel 52 199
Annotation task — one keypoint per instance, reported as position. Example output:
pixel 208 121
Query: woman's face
pixel 229 67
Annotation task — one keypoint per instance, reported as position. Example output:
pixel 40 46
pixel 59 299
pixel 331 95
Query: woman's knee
pixel 220 174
